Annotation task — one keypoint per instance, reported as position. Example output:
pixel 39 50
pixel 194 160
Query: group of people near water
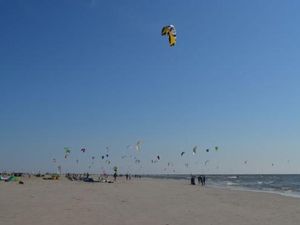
pixel 201 180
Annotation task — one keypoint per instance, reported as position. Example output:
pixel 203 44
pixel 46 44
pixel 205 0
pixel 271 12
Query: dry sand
pixel 140 202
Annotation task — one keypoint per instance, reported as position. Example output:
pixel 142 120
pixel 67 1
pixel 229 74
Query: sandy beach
pixel 145 201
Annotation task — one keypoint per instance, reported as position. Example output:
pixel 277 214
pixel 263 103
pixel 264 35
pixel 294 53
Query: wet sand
pixel 140 202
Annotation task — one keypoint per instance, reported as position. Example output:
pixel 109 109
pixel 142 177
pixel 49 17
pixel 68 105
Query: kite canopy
pixel 171 32
pixel 138 145
pixel 67 152
pixel 195 150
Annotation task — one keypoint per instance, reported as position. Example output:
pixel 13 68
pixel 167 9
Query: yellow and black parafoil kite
pixel 171 32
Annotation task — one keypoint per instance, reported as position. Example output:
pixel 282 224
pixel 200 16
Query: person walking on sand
pixel 115 176
pixel 192 180
pixel 203 180
pixel 199 179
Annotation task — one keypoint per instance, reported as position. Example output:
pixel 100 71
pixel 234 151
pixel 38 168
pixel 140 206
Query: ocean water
pixel 281 184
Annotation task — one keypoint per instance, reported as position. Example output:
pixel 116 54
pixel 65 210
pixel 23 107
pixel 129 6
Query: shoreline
pixel 234 188
pixel 237 186
pixel 291 195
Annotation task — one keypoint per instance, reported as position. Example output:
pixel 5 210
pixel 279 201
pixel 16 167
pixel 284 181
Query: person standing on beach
pixel 192 180
pixel 115 173
pixel 199 179
pixel 203 180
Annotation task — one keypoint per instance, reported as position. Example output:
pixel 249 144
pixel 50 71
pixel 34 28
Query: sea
pixel 284 184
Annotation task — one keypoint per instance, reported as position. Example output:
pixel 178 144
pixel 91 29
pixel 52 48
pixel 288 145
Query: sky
pixel 92 73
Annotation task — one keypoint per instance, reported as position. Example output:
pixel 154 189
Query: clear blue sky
pixel 98 73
